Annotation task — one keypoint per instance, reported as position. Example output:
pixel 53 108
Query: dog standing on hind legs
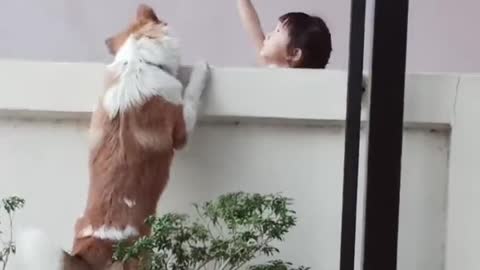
pixel 141 119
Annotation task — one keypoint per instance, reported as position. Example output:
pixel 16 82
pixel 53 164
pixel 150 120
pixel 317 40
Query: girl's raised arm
pixel 251 22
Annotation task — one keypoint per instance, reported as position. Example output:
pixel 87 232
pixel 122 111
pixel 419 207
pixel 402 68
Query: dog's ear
pixel 146 12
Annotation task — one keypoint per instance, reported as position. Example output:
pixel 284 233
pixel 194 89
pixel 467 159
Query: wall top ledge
pixel 70 90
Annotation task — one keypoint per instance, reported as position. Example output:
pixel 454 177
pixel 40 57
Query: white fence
pixel 263 130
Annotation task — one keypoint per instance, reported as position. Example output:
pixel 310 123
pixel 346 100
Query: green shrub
pixel 227 233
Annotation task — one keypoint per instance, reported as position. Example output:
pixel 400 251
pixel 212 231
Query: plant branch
pixel 9 244
pixel 225 264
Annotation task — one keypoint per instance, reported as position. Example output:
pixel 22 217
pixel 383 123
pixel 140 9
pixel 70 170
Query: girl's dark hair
pixel 311 35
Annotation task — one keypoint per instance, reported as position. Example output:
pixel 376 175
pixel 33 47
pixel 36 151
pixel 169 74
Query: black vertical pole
pixel 352 134
pixel 385 134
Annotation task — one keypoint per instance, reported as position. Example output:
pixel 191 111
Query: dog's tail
pixel 37 252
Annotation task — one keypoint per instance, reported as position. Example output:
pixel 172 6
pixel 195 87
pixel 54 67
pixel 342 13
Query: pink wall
pixel 444 34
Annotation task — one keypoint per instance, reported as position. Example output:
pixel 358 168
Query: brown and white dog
pixel 141 119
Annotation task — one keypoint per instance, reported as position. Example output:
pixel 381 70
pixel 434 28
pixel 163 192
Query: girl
pixel 298 41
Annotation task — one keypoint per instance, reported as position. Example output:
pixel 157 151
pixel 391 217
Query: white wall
pixel 464 185
pixel 45 162
pixel 293 144
pixel 443 34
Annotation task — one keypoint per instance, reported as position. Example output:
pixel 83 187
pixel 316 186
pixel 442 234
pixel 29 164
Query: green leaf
pixel 12 204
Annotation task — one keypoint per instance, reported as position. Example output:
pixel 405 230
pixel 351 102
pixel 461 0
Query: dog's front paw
pixel 198 80
pixel 200 72
pixel 201 66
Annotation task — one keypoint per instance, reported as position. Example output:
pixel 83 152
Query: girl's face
pixel 275 45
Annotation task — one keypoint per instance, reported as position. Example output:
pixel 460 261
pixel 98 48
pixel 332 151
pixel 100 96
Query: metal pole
pixel 352 134
pixel 385 134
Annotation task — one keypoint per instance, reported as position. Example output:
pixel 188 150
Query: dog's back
pixel 129 169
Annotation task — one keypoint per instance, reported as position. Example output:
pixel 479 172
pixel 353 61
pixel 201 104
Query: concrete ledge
pixel 69 90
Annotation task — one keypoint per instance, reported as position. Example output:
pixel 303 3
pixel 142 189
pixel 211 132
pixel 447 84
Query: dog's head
pixel 145 25
pixel 145 38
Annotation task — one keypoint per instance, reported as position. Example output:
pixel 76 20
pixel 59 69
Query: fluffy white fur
pixel 114 234
pixel 139 79
pixel 129 203
pixel 37 252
